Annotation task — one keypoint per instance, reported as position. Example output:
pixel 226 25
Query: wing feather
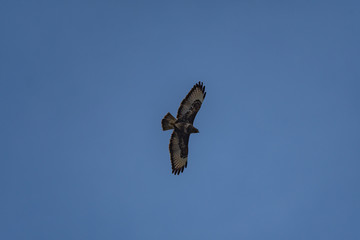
pixel 191 103
pixel 178 151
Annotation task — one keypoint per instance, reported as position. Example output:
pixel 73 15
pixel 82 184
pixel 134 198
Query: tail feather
pixel 168 122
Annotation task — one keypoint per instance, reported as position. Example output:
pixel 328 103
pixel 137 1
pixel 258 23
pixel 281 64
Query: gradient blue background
pixel 84 86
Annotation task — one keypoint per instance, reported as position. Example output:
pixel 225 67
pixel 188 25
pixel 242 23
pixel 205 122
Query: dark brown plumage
pixel 183 127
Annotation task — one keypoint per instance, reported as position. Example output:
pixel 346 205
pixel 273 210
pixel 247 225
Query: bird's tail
pixel 168 122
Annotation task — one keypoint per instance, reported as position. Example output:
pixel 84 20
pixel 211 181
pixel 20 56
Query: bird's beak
pixel 196 131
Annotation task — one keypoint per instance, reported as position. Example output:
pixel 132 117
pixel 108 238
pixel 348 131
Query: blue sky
pixel 84 86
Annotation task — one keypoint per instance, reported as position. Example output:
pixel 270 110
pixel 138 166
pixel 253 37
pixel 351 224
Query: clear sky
pixel 84 86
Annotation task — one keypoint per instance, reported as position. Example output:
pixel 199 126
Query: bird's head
pixel 195 130
pixel 190 129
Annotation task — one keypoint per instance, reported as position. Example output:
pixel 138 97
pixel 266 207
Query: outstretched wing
pixel 178 151
pixel 191 103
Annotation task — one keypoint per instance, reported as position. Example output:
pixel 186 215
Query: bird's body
pixel 183 127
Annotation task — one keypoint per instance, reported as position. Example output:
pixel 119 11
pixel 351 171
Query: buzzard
pixel 183 127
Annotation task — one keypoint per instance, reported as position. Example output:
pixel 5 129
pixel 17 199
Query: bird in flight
pixel 183 127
